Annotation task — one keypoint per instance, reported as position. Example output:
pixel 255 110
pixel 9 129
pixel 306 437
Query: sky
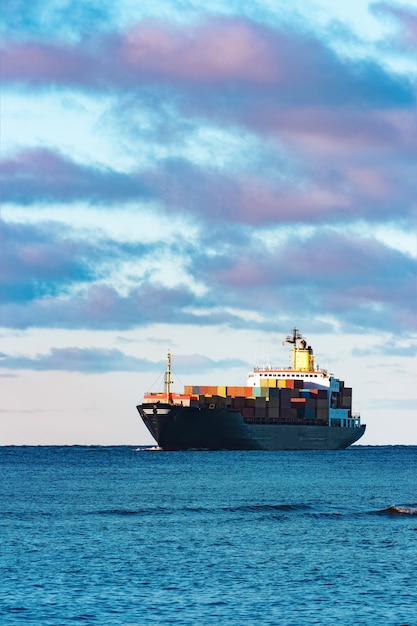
pixel 201 178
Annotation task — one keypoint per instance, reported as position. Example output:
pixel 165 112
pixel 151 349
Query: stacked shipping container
pixel 276 400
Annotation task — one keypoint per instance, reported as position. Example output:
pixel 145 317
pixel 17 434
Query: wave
pixel 250 508
pixel 257 509
pixel 127 512
pixel 399 510
pixel 268 508
pixel 247 508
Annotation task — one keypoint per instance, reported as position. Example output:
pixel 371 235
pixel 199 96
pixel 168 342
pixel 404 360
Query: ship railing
pixel 353 421
pixel 356 419
pixel 287 368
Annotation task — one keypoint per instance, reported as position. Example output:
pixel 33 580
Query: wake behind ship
pixel 301 407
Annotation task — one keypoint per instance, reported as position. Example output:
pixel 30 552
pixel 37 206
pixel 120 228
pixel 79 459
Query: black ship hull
pixel 184 428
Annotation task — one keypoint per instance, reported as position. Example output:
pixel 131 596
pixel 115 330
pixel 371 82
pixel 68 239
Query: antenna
pixel 168 381
pixel 294 337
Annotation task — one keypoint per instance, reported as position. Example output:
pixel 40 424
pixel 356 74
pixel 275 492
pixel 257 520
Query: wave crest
pixel 399 510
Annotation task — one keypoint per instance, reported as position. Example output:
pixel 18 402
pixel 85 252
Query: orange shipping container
pixel 239 391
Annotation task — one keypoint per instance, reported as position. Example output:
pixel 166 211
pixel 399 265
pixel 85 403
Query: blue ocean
pixel 124 535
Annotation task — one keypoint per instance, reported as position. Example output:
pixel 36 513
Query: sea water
pixel 124 535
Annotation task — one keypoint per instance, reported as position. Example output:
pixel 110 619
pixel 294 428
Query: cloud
pixel 335 146
pixel 341 129
pixel 45 260
pixel 405 16
pixel 358 280
pixel 334 187
pixel 51 283
pixel 40 175
pixel 103 307
pixel 102 360
pixel 37 261
pixel 211 59
pixel 71 18
pixel 390 347
pixel 87 360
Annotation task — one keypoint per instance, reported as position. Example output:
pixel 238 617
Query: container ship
pixel 302 407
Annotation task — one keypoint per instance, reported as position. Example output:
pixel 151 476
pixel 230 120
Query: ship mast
pixel 293 339
pixel 168 380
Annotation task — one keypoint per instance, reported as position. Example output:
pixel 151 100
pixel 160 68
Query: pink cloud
pixel 328 271
pixel 216 50
pixel 370 181
pixel 42 175
pixel 211 51
pixel 262 201
pixel 227 52
pixel 326 267
pixel 346 129
pixel 322 130
pixel 37 62
pixel 36 161
pixel 364 183
pixel 331 189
